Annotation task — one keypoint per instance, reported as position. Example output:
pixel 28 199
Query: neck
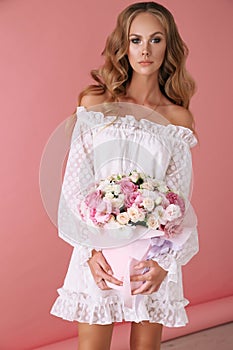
pixel 144 90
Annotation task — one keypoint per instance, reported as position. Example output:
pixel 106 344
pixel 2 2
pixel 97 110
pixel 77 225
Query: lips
pixel 145 63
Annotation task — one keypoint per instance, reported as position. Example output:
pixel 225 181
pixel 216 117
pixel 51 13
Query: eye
pixel 156 40
pixel 135 40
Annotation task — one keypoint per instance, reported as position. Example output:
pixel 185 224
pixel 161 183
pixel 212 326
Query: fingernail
pixel 137 267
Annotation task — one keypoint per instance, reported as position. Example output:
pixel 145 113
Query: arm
pixel 179 177
pixel 79 175
pixel 165 256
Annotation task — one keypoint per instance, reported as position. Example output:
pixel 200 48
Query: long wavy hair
pixel 115 74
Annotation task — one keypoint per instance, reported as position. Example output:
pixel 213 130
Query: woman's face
pixel 147 44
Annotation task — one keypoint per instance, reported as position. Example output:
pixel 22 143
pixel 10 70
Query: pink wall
pixel 47 50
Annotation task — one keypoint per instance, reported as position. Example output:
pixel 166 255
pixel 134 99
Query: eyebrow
pixel 150 35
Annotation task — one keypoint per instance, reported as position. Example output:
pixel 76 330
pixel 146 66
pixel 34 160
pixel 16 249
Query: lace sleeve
pixel 179 172
pixel 78 176
pixel 179 177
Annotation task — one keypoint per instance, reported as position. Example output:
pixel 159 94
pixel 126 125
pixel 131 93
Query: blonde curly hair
pixel 115 74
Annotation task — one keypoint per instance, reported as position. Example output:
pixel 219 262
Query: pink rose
pixel 103 212
pixel 93 199
pixel 115 211
pixel 102 218
pixel 174 198
pixel 165 201
pixel 83 210
pixel 92 215
pixel 127 186
pixel 172 228
pixel 131 198
pixel 104 206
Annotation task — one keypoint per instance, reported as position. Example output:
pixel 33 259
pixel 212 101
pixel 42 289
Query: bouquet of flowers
pixel 135 199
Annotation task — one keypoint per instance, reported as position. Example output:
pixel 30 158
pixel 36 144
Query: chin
pixel 146 72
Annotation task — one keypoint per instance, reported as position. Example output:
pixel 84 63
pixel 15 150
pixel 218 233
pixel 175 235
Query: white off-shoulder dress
pixel 107 145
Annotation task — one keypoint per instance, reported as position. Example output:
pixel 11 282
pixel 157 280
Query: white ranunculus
pixel 148 203
pixel 172 212
pixel 123 218
pixel 133 213
pixel 152 222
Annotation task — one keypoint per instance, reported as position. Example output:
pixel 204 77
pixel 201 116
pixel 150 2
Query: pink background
pixel 47 50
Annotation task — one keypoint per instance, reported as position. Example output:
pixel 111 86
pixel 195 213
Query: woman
pixel 144 66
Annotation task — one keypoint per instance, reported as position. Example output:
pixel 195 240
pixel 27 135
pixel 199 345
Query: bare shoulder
pixel 181 116
pixel 91 100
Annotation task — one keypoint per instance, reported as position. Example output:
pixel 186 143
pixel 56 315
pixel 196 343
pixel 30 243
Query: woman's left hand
pixel 151 280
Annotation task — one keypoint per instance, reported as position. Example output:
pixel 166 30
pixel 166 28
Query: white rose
pixel 109 195
pixel 158 200
pixel 142 176
pixel 147 185
pixel 112 218
pixel 108 188
pixel 116 189
pixel 156 182
pixel 163 188
pixel 133 213
pixel 110 177
pixel 118 202
pixel 159 213
pixel 102 184
pixel 152 222
pixel 134 176
pixel 123 218
pixel 112 223
pixel 141 215
pixel 172 212
pixel 148 203
pixel 151 194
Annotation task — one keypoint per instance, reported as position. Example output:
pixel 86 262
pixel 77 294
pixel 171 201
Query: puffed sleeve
pixel 78 176
pixel 169 253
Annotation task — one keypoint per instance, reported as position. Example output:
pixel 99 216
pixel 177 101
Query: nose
pixel 146 50
pixel 145 53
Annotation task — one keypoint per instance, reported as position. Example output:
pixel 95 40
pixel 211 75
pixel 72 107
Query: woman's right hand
pixel 101 271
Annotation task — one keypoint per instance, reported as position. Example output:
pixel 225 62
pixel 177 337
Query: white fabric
pixel 160 151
